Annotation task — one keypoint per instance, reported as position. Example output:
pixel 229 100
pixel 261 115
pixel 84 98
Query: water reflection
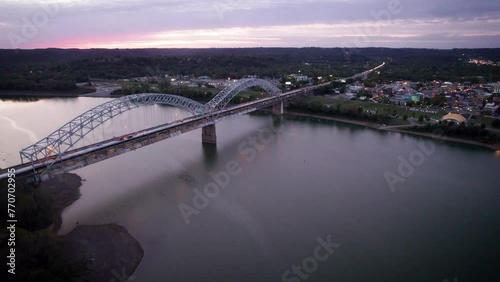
pixel 209 154
pixel 24 99
pixel 30 99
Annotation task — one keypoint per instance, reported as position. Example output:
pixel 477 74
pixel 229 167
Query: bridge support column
pixel 208 134
pixel 278 109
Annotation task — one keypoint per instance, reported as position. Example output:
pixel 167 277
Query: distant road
pixel 366 72
pixel 102 90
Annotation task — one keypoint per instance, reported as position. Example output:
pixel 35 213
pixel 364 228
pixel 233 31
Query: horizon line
pixel 204 48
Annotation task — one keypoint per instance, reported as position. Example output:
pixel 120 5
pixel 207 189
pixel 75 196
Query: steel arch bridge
pixel 64 138
pixel 52 148
pixel 220 101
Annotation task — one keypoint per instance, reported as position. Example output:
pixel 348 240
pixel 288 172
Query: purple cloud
pixel 226 23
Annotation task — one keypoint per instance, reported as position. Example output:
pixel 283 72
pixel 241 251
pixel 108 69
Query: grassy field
pixel 482 119
pixel 370 106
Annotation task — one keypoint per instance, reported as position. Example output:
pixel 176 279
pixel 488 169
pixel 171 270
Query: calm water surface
pixel 307 180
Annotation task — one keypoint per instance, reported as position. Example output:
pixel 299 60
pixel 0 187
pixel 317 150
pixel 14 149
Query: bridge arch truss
pixel 53 147
pixel 221 100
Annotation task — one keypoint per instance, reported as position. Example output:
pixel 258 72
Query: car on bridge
pixel 125 137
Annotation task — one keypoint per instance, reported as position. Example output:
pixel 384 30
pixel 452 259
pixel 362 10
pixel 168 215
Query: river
pixel 286 199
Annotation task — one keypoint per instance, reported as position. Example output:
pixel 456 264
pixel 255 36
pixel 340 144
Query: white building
pixel 491 107
pixel 299 77
pixel 495 88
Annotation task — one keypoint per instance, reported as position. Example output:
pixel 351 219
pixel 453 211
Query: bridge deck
pixel 91 154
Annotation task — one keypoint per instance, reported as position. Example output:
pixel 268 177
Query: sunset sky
pixel 28 24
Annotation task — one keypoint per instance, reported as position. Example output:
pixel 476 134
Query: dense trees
pixel 34 211
pixel 447 65
pixel 338 110
pixel 322 90
pixel 495 123
pixel 438 100
pixel 59 70
pixel 41 257
pixel 165 87
pixel 451 129
pixel 33 83
pixel 40 254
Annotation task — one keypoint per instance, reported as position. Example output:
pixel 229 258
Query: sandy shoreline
pixel 398 129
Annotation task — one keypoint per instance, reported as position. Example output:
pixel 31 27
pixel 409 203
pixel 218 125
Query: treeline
pixel 338 110
pixel 445 65
pixel 216 66
pixel 36 80
pixel 451 129
pixel 64 76
pixel 196 94
pixel 456 71
pixel 29 83
pixel 167 88
pixel 79 65
pixel 22 59
pixel 60 69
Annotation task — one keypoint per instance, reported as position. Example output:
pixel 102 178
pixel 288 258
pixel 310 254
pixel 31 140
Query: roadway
pixel 365 73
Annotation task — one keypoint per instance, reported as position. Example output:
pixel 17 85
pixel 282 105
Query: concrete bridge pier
pixel 208 134
pixel 278 109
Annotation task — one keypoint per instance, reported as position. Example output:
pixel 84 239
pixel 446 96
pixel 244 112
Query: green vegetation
pixel 200 94
pixel 40 254
pixel 24 82
pixel 495 123
pixel 385 108
pixel 34 210
pixel 346 109
pixel 41 257
pixel 323 90
pixel 59 70
pixel 488 121
pixel 429 64
pixel 469 132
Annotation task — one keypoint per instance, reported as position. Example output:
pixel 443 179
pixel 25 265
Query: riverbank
pixel 346 120
pixel 445 138
pixel 63 191
pixel 46 94
pixel 400 129
pixel 108 250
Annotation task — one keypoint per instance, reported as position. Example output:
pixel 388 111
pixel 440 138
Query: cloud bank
pixel 242 23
